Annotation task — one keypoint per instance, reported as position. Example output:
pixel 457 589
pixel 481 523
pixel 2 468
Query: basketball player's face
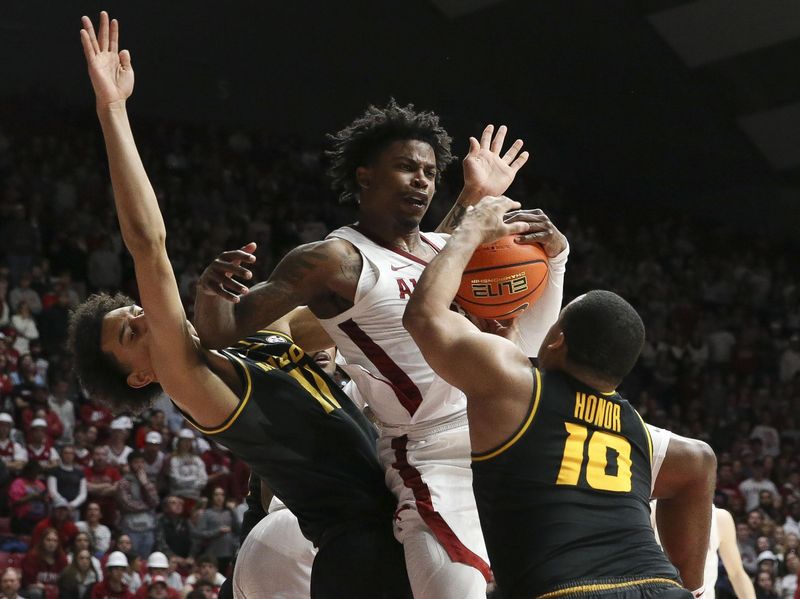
pixel 125 335
pixel 400 184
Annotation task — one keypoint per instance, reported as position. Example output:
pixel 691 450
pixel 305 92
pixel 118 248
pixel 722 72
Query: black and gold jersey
pixel 298 431
pixel 564 503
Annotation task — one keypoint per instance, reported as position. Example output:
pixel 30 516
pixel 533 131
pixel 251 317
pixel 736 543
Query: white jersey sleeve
pixel 660 438
pixel 537 320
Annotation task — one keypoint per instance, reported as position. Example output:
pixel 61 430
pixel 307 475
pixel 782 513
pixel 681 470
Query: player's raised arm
pixel 488 171
pixel 175 360
pixel 477 363
pixel 685 492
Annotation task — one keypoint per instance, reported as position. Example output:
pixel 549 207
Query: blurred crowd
pixel 93 502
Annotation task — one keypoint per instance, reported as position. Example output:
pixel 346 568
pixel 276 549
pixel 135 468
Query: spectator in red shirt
pixel 156 422
pixel 40 448
pixel 94 413
pixel 27 498
pixel 42 566
pixel 157 569
pixel 112 586
pixel 40 408
pixel 101 484
pixel 60 520
pixel 85 436
pixel 218 467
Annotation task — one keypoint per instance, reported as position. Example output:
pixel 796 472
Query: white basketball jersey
pixel 382 359
pixel 712 558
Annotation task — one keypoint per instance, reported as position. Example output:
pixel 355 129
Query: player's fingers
pixel 232 269
pixel 234 287
pixel 102 36
pixel 499 138
pixel 474 146
pixel 529 238
pixel 512 152
pixel 86 42
pixel 220 291
pixel 250 248
pixel 534 215
pixel 89 28
pixel 125 59
pixel 236 256
pixel 486 137
pixel 520 161
pixel 113 36
pixel 516 228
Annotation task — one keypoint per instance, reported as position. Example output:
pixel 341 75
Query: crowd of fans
pixel 103 506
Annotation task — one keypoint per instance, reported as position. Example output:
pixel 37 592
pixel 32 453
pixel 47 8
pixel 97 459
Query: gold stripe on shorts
pixel 588 588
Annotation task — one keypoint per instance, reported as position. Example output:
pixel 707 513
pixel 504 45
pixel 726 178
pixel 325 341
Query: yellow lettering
pixel 591 406
pixel 580 400
pixel 609 412
pixel 572 460
pixel 601 412
pixel 616 426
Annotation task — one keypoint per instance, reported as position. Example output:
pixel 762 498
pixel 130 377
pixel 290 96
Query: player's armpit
pixel 685 493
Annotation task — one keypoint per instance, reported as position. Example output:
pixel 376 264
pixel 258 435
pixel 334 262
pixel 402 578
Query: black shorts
pixel 364 563
pixel 621 589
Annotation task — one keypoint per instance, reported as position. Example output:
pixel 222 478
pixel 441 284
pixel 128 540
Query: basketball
pixel 503 279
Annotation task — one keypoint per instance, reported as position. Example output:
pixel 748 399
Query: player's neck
pixel 589 379
pixel 391 234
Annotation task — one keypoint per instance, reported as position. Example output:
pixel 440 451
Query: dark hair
pixel 99 372
pixel 207 559
pixel 136 453
pixel 604 334
pixel 360 142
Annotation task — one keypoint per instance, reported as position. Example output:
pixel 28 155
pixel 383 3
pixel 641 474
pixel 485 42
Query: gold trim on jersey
pixel 646 434
pixel 591 588
pixel 609 393
pixel 271 332
pixel 480 457
pixel 235 414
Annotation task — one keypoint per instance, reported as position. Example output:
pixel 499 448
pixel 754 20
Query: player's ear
pixel 141 378
pixel 559 343
pixel 363 176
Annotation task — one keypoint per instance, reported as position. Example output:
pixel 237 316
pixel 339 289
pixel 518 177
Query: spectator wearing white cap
pixel 187 472
pixel 68 482
pixel 12 453
pixel 40 448
pixel 154 458
pixel 112 587
pixel 118 449
pixel 158 571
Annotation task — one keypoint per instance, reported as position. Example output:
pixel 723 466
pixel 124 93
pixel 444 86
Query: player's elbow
pixel 416 318
pixel 704 466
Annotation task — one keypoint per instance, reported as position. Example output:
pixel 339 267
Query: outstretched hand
pixel 485 170
pixel 109 69
pixel 217 279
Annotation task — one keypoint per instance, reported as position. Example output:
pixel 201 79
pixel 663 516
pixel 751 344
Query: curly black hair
pixel 359 143
pixel 100 373
pixel 604 334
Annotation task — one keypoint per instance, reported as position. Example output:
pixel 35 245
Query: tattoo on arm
pixel 453 219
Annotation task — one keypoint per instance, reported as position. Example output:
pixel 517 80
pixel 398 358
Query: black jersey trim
pixel 593 588
pixel 535 396
pixel 226 424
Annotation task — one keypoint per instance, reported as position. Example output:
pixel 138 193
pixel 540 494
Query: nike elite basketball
pixel 502 279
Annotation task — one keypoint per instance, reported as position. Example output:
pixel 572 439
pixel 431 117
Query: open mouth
pixel 418 201
pixel 322 358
